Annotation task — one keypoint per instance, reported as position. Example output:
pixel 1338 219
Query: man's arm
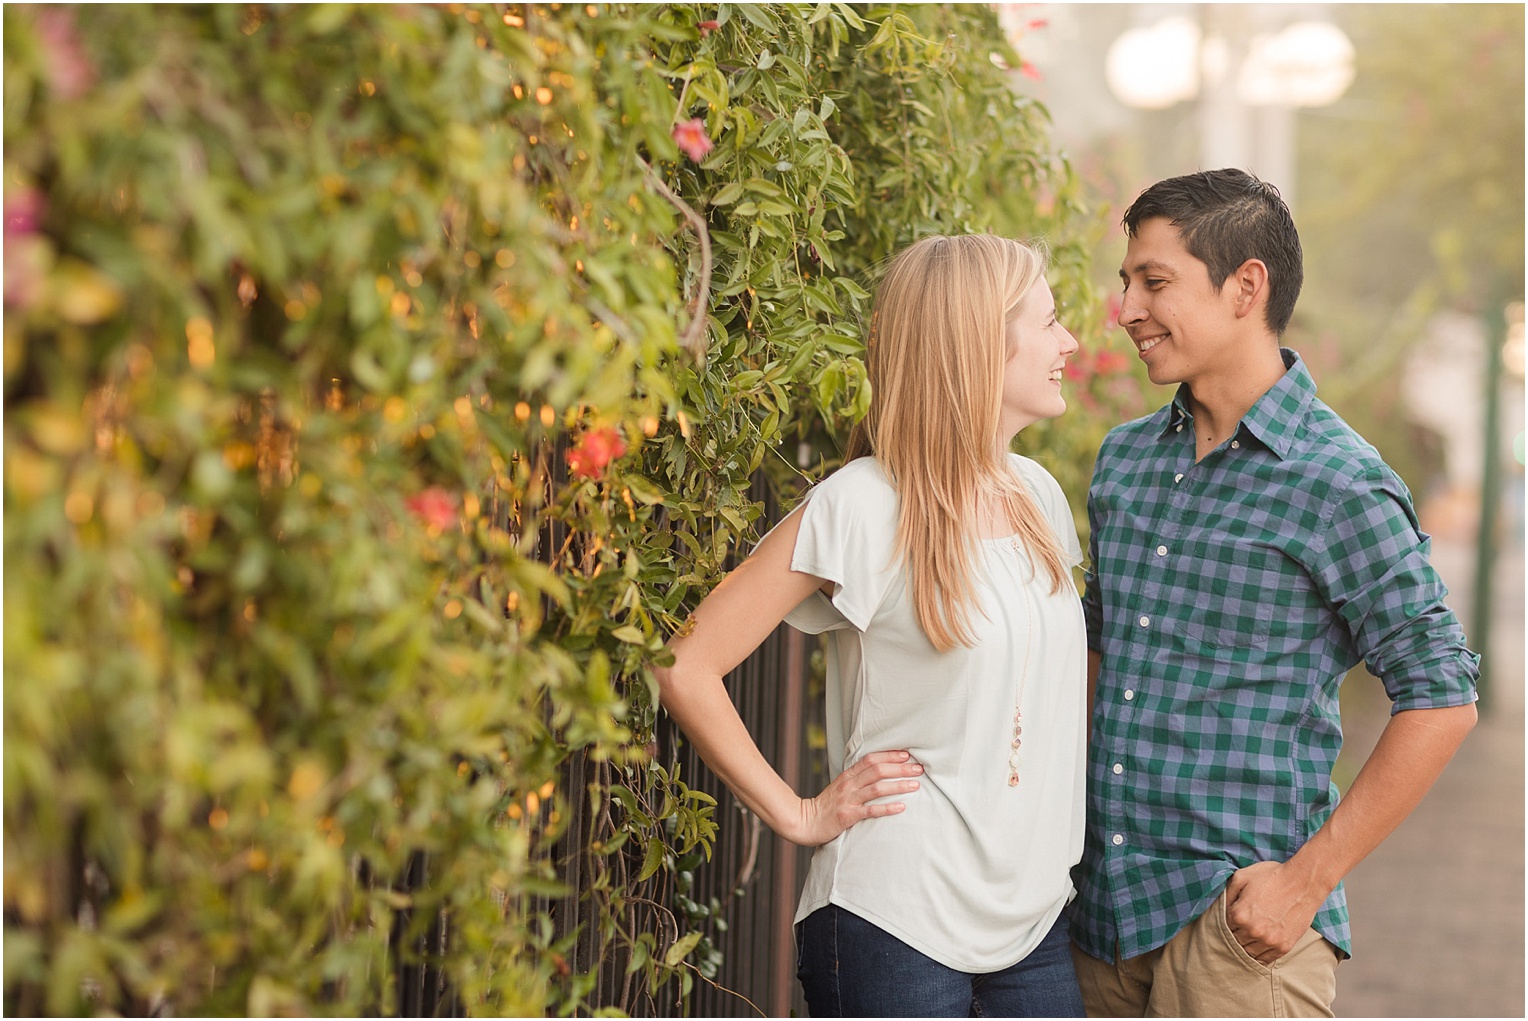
pixel 1271 904
pixel 1095 663
pixel 1370 564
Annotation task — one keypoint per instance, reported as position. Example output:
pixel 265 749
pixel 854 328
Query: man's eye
pixel 1154 282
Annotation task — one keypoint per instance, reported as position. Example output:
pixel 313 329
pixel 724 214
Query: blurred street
pixel 1438 909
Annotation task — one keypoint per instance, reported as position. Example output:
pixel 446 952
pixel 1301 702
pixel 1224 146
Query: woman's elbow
pixel 674 679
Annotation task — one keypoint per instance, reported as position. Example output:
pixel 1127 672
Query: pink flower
pixel 692 138
pixel 23 212
pixel 25 253
pixel 594 451
pixel 1036 23
pixel 435 507
pixel 1029 70
pixel 69 71
pixel 1114 308
pixel 707 27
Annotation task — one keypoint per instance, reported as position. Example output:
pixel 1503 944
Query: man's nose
pixel 1130 311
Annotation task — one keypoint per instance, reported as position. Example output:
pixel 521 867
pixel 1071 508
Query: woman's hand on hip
pixel 853 796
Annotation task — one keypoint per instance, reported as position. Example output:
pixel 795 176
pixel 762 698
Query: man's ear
pixel 1250 281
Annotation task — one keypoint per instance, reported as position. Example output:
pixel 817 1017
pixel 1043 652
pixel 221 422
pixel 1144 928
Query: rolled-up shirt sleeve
pixel 1373 569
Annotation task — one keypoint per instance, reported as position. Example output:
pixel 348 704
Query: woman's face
pixel 1037 347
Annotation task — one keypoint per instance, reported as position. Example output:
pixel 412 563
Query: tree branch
pixel 694 339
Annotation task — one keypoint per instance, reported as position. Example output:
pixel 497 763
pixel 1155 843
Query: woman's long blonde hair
pixel 935 359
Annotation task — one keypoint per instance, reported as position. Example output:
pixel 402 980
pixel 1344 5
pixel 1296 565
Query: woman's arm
pixel 728 625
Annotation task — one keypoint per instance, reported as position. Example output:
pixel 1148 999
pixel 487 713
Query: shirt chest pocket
pixel 1244 593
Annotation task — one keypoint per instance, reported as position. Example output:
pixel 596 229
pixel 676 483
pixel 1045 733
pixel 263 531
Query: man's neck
pixel 1219 402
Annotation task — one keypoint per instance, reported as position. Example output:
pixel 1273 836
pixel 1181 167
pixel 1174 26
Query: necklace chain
pixel 1016 746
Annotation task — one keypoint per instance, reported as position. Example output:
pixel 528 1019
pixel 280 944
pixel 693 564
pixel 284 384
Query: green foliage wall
pixel 382 387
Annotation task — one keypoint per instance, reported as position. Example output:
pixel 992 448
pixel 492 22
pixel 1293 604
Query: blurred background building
pixel 1395 131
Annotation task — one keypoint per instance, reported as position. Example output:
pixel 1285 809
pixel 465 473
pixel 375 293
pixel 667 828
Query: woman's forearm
pixel 727 626
pixel 699 704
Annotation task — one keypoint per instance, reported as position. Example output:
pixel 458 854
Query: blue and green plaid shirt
pixel 1228 599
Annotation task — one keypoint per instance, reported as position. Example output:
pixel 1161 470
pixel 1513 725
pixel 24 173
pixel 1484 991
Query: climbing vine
pixel 383 386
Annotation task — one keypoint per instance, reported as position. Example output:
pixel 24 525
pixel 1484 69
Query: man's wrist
pixel 1314 870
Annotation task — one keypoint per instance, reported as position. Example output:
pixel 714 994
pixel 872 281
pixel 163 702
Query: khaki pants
pixel 1204 972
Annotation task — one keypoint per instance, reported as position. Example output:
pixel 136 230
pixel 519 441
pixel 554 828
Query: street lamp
pixel 1308 63
pixel 1156 67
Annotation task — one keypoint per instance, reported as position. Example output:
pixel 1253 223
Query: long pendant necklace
pixel 1018 699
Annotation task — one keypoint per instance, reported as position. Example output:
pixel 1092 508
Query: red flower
pixel 1036 23
pixel 596 449
pixel 692 138
pixel 1029 70
pixel 707 27
pixel 435 507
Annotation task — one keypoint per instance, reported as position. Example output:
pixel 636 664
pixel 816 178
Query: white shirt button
pixel 1118 769
pixel 1118 839
pixel 1129 694
pixel 1179 429
pixel 1178 477
pixel 1235 444
pixel 1161 551
pixel 1145 622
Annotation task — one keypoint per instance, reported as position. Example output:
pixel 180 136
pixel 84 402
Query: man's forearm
pixel 1411 753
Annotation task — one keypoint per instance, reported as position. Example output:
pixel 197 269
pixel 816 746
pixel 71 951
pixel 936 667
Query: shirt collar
pixel 1273 417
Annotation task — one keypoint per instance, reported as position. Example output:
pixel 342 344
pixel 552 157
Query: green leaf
pixel 728 194
pixel 654 859
pixel 681 949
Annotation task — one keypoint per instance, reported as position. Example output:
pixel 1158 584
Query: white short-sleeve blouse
pixel 975 871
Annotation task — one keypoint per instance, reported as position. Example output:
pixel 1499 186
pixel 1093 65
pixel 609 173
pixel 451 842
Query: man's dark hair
pixel 1226 217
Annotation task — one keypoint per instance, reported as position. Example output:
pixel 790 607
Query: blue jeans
pixel 850 968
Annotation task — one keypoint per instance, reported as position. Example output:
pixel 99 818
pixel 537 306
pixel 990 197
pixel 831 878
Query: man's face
pixel 1180 322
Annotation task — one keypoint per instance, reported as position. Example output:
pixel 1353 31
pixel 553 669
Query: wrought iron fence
pixel 748 888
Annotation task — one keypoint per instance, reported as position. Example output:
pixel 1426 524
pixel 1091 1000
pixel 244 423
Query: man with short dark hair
pixel 1247 550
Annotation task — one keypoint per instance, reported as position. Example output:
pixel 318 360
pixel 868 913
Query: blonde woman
pixel 938 562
